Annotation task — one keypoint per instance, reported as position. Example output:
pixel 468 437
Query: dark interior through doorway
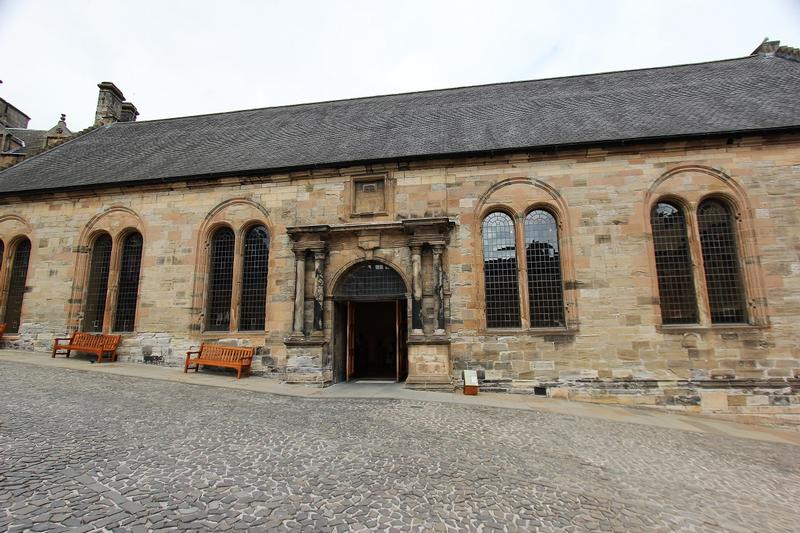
pixel 370 340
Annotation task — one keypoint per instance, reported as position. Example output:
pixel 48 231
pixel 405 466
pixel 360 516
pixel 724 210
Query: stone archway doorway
pixel 370 324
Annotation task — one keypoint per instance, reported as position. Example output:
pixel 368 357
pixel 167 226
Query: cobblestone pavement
pixel 80 450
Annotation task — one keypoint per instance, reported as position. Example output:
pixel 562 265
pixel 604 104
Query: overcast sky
pixel 174 58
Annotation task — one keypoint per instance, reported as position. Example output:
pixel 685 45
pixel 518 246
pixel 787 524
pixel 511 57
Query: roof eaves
pixel 447 155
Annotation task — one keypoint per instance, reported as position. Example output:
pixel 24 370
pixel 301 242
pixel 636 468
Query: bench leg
pixel 239 372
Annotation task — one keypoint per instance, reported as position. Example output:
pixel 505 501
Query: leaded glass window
pixel 220 280
pixel 16 286
pixel 97 286
pixel 721 262
pixel 500 271
pixel 543 259
pixel 254 279
pixel 371 281
pixel 673 265
pixel 128 286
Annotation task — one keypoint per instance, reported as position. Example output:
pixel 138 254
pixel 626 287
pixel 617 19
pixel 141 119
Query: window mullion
pixel 698 269
pixel 113 284
pixel 236 289
pixel 522 276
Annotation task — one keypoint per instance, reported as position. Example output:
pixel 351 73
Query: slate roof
pixel 33 139
pixel 753 93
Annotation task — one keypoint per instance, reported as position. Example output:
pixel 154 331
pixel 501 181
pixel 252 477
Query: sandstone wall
pixel 602 198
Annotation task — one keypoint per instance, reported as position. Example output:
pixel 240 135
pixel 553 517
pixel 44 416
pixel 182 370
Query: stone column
pixel 416 289
pixel 319 289
pixel 438 290
pixel 299 292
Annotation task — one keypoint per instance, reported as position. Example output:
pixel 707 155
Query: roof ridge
pixel 788 52
pixel 424 91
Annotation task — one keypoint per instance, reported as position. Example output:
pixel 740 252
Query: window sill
pixel 209 334
pixel 699 328
pixel 531 331
pixel 370 214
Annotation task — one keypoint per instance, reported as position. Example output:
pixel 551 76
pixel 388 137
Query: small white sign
pixel 470 378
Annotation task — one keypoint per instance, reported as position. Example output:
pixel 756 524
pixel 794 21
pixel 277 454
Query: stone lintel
pixel 434 228
pixel 309 246
pixel 298 232
pixel 433 231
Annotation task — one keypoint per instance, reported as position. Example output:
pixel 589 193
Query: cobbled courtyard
pixel 86 451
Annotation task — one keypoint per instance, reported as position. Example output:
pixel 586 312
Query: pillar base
pixel 429 363
pixel 306 361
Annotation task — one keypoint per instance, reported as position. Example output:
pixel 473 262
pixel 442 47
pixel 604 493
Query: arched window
pixel 16 286
pixel 254 279
pixel 543 259
pixel 128 285
pixel 97 287
pixel 673 265
pixel 721 262
pixel 372 281
pixel 220 280
pixel 500 271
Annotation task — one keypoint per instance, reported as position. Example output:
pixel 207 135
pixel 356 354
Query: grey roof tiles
pixel 752 93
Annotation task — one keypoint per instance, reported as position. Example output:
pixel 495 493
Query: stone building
pixel 17 141
pixel 630 236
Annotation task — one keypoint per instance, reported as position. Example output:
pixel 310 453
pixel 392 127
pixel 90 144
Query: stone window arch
pixel 94 310
pixel 107 281
pixel 540 268
pixel 500 266
pixel 220 279
pixel 720 255
pixel 17 277
pixel 716 227
pixel 255 270
pixel 16 255
pixel 233 268
pixel 543 262
pixel 673 258
pixel 128 284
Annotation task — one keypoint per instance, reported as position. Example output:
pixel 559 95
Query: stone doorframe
pixel 334 249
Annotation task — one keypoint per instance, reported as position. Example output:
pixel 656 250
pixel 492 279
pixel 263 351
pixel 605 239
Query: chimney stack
pixel 112 107
pixel 129 112
pixel 109 104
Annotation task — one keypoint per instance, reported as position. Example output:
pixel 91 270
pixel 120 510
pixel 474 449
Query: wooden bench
pixel 219 355
pixel 99 345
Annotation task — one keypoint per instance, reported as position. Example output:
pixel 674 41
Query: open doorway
pixel 370 325
pixel 371 341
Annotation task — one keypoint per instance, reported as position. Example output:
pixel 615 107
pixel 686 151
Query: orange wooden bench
pixel 218 355
pixel 99 345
